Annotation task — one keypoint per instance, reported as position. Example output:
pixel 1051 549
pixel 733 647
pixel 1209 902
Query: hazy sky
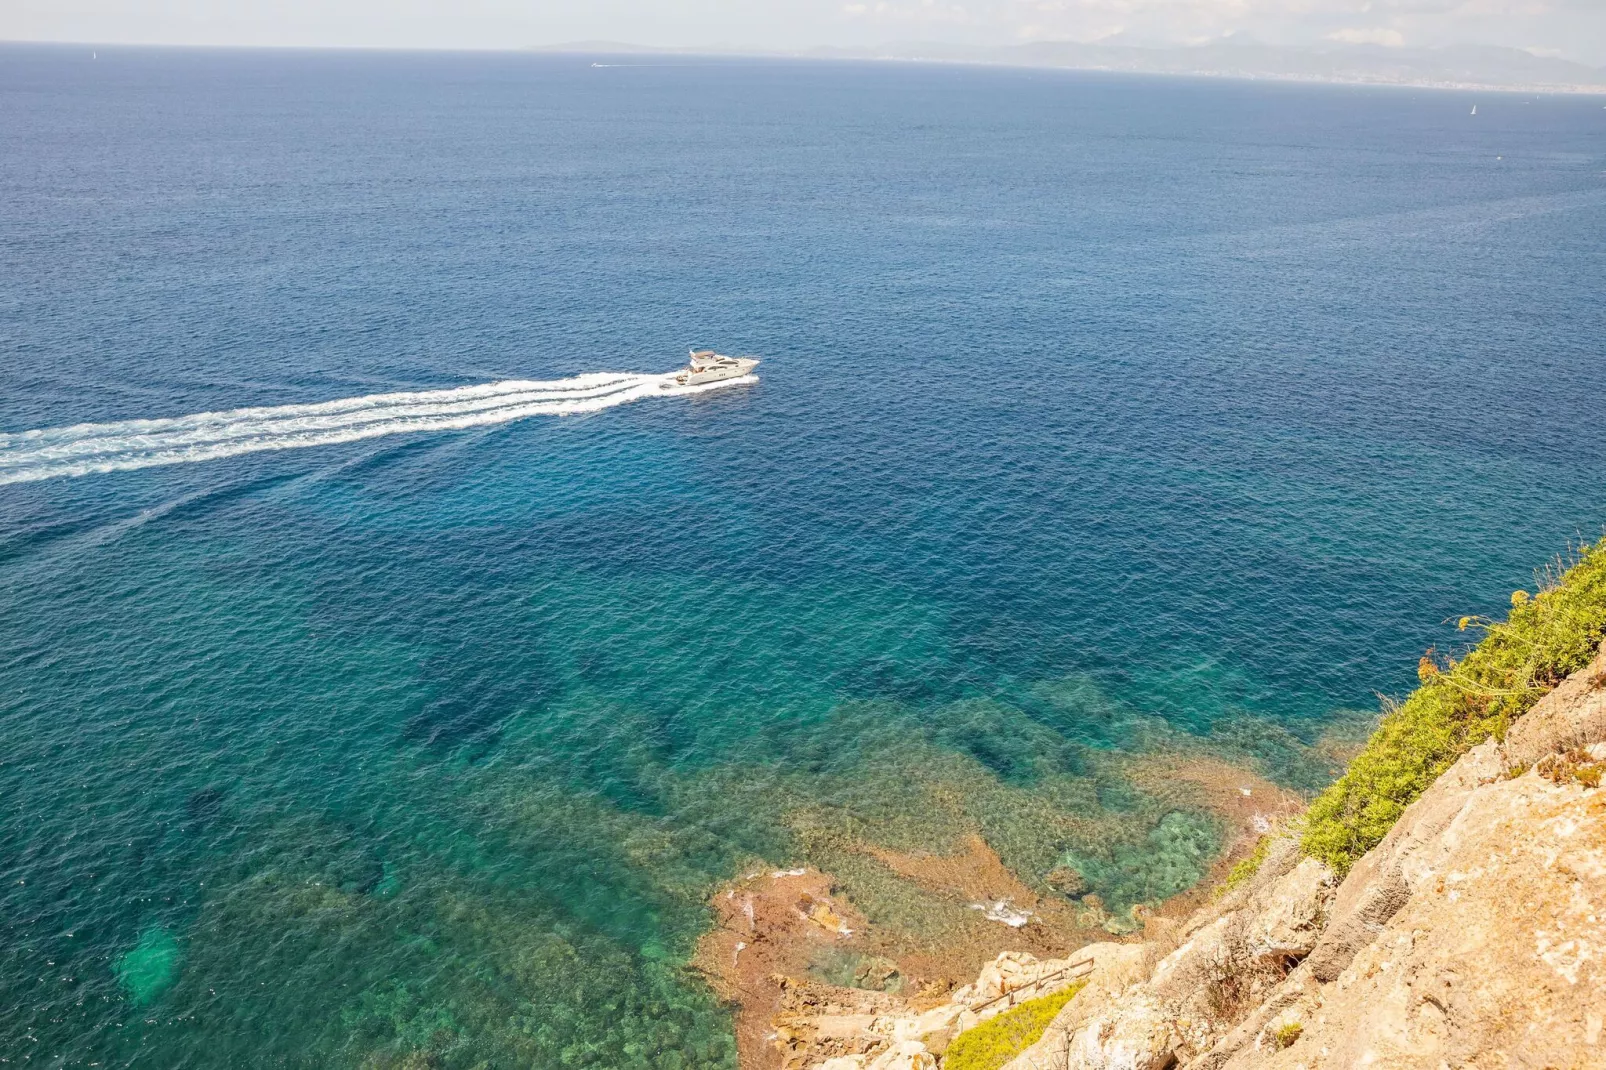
pixel 1575 29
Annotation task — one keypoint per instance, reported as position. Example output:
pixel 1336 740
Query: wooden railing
pixel 1069 972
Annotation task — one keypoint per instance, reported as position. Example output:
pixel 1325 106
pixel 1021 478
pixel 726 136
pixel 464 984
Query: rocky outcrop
pixel 1495 957
pixel 1227 960
pixel 897 1035
pixel 1473 935
pixel 899 1055
pixel 1289 926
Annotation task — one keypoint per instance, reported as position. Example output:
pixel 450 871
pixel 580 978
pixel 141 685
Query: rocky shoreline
pixel 1473 935
pixel 812 979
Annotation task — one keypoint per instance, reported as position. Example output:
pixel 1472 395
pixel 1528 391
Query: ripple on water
pixel 429 750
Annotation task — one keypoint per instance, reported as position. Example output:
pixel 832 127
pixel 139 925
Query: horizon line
pixel 877 54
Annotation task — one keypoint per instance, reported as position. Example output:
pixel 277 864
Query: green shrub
pixel 1459 705
pixel 1247 867
pixel 999 1039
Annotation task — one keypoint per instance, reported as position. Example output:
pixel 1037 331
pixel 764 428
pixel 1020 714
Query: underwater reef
pixel 1440 904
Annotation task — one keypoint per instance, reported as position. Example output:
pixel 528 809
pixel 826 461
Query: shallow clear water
pixel 1098 416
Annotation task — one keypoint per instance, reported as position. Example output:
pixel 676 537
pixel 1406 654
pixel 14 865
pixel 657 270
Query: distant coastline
pixel 1463 69
pixel 1487 69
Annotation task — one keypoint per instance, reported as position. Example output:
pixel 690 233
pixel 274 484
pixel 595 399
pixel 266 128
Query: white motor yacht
pixel 709 367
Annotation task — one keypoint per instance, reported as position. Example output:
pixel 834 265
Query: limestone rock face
pixel 1117 969
pixel 904 1055
pixel 1499 958
pixel 1375 901
pixel 1011 971
pixel 1290 924
pixel 1207 956
pixel 1136 1035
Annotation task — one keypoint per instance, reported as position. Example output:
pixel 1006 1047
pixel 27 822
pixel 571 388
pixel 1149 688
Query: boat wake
pixel 83 449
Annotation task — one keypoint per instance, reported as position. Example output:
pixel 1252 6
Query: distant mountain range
pixel 1462 67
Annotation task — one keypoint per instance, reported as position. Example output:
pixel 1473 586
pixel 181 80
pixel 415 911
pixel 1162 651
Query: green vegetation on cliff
pixel 998 1040
pixel 1460 704
pixel 1248 866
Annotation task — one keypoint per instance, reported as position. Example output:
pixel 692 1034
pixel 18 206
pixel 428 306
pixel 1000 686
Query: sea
pixel 390 671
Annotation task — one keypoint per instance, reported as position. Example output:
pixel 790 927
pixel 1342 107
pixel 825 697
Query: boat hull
pixel 737 368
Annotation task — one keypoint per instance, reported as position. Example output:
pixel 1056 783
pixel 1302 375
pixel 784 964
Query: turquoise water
pixel 1099 418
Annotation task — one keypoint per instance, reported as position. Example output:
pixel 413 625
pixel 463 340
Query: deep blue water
pixel 1098 416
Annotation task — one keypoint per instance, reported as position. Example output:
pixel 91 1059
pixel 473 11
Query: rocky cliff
pixel 1473 935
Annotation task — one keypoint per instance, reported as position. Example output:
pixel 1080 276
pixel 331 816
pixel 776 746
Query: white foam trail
pixel 83 449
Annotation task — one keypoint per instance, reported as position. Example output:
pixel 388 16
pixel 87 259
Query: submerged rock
pixel 150 966
pixel 877 973
pixel 1067 881
pixel 204 804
